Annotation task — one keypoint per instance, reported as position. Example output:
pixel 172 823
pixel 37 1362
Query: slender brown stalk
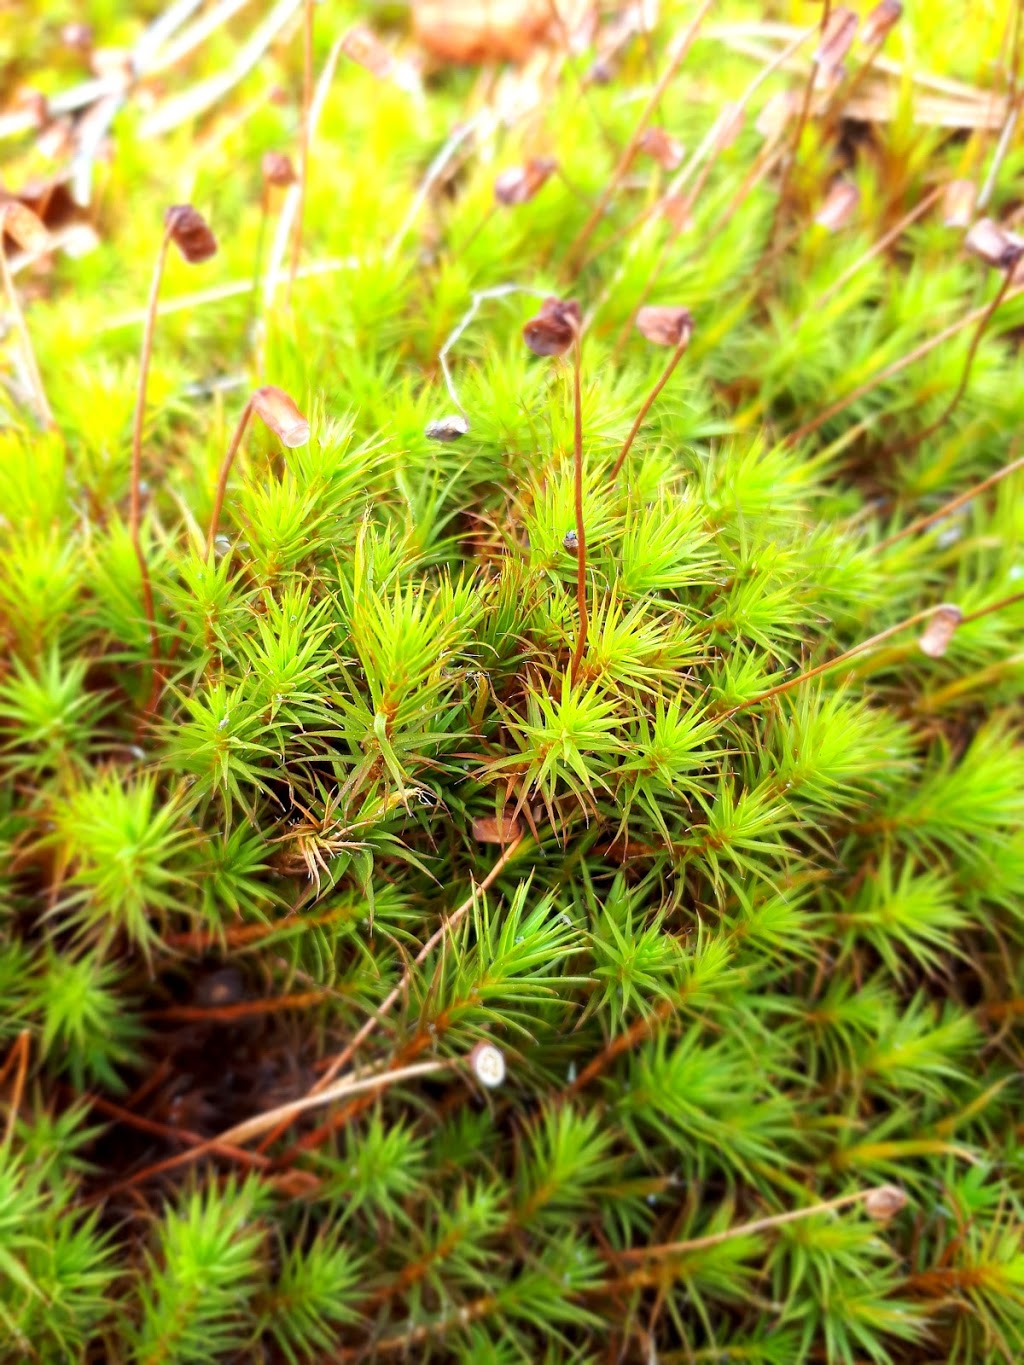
pixel 204 1147
pixel 648 402
pixel 974 682
pixel 910 442
pixel 243 1009
pixel 847 91
pixel 18 1058
pixel 922 523
pixel 762 165
pixel 707 153
pixel 992 607
pixel 348 1085
pixel 162 1130
pixel 307 99
pixel 877 248
pixel 200 941
pixel 713 1239
pixel 801 124
pixel 841 404
pixel 581 530
pixel 871 643
pixel 637 1032
pixel 569 58
pixel 135 504
pixel 575 252
pixel 861 648
pixel 447 926
pixel 225 471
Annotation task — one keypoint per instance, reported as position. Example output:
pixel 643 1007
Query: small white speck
pixel 488 1063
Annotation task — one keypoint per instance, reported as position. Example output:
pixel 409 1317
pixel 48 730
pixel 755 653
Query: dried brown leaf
pixel 487 830
pixel 480 30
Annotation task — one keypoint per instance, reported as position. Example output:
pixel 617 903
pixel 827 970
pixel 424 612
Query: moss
pixel 732 879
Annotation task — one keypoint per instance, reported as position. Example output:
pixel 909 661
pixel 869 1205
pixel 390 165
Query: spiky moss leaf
pixel 203 1268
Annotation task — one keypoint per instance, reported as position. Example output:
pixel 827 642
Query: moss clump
pixel 389 970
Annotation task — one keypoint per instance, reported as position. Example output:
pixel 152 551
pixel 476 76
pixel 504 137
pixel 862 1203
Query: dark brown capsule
pixel 190 233
pixel 555 327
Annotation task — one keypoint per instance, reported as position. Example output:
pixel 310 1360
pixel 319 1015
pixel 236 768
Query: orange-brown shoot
pixel 554 329
pixel 279 414
pixel 662 326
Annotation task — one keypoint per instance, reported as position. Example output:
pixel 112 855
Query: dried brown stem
pixel 447 926
pixel 861 648
pixel 711 147
pixel 286 219
pixel 574 255
pixel 801 124
pixel 637 1032
pixel 992 607
pixel 895 368
pixel 243 1009
pixel 348 1085
pixel 214 1146
pixel 895 231
pixel 713 1239
pixel 18 1058
pixel 922 523
pixel 162 1130
pixel 845 94
pixel 225 471
pixel 261 237
pixel 901 447
pixel 201 941
pixel 1012 109
pixel 648 402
